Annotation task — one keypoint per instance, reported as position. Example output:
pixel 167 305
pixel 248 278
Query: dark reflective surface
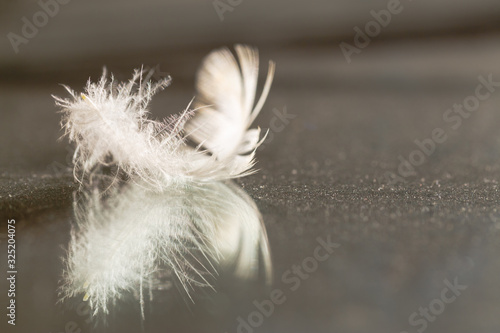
pixel 322 176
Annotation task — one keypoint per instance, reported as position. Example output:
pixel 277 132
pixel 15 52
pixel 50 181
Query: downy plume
pixel 110 125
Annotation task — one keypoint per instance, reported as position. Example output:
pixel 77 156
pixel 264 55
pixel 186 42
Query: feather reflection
pixel 133 240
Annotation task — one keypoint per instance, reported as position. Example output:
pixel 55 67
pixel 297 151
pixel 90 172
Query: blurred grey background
pixel 429 43
pixel 83 34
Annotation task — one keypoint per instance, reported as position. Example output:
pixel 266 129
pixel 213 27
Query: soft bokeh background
pixel 323 175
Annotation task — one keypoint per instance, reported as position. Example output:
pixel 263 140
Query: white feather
pixel 110 126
